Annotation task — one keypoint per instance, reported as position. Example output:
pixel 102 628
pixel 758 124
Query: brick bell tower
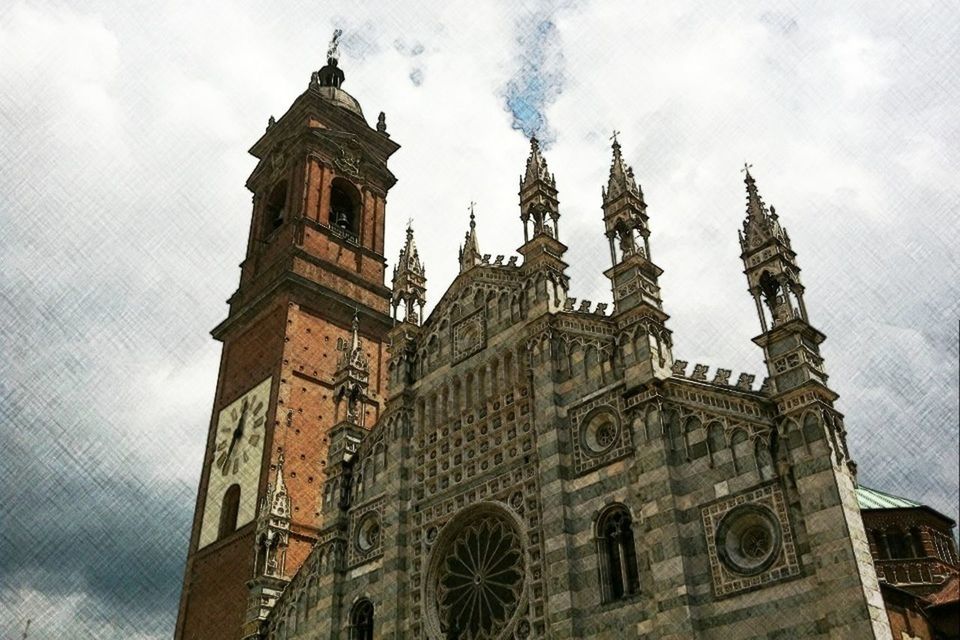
pixel 314 262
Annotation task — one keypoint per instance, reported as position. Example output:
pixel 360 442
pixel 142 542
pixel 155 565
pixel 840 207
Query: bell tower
pixel 314 262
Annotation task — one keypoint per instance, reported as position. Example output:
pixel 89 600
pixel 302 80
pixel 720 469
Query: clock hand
pixel 233 443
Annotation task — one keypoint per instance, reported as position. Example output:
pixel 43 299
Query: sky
pixel 124 130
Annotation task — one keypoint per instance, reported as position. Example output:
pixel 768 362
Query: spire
pixel 760 224
pixel 280 499
pixel 331 75
pixel 538 196
pixel 353 356
pixel 409 281
pixel 273 527
pixel 536 167
pixel 621 176
pixel 624 211
pixel 470 251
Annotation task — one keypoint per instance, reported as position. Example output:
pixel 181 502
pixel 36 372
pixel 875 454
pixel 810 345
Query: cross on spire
pixel 472 216
pixel 746 168
pixel 614 136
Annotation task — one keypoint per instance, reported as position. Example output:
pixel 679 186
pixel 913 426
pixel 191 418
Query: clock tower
pixel 311 286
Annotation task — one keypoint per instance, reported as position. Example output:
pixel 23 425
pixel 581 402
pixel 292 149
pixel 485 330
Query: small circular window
pixel 368 533
pixel 600 431
pixel 748 539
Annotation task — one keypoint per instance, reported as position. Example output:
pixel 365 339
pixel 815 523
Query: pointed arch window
pixel 361 621
pixel 619 576
pixel 229 509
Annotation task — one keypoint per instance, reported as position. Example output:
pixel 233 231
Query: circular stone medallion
pixel 600 431
pixel 368 532
pixel 748 539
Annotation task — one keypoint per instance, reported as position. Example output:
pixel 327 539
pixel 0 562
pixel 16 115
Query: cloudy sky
pixel 123 217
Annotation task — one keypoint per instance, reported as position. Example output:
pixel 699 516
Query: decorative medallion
pixel 368 532
pixel 469 336
pixel 600 431
pixel 749 540
pixel 600 436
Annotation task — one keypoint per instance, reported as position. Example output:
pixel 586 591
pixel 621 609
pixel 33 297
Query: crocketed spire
pixel 621 177
pixel 538 196
pixel 409 281
pixel 470 251
pixel 280 499
pixel 353 356
pixel 760 224
pixel 536 167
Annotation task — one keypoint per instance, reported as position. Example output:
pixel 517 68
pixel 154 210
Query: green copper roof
pixel 873 499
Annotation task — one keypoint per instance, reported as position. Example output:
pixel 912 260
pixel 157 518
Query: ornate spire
pixel 536 167
pixel 624 211
pixel 353 356
pixel 273 527
pixel 621 176
pixel 470 251
pixel 280 499
pixel 538 196
pixel 760 224
pixel 409 281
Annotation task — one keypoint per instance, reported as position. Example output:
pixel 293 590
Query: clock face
pixel 237 456
pixel 239 433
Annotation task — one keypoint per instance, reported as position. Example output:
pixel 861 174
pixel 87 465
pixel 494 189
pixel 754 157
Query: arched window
pixel 897 544
pixel 361 621
pixel 275 211
pixel 764 459
pixel 229 509
pixel 619 577
pixel 742 455
pixel 716 440
pixel 344 208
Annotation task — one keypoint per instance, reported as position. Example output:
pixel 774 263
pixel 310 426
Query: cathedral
pixel 518 464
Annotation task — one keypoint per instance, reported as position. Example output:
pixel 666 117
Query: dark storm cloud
pixel 71 524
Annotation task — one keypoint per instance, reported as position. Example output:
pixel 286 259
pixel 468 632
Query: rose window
pixel 748 539
pixel 368 533
pixel 478 576
pixel 600 431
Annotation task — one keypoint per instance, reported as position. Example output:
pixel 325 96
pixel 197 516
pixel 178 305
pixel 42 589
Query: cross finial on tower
pixel 746 168
pixel 473 219
pixel 613 138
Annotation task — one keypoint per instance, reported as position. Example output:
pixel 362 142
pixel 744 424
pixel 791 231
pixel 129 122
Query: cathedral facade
pixel 519 464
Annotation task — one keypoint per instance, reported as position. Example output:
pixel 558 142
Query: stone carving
pixel 722 377
pixel 745 381
pixel 348 160
pixel 700 372
pixel 469 336
pixel 679 368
